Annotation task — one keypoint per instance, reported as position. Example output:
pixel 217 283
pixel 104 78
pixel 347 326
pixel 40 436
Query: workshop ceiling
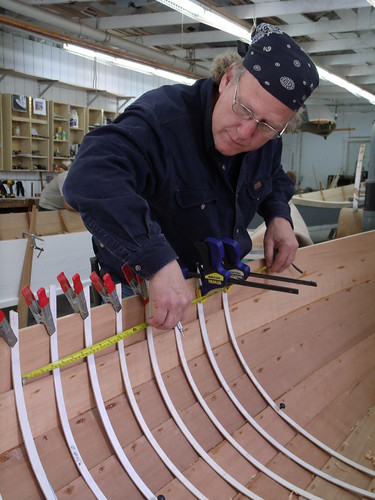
pixel 341 40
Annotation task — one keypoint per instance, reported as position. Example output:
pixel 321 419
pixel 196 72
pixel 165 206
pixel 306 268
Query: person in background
pixel 183 163
pixel 52 197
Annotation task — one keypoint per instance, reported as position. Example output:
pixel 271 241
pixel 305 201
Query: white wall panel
pixel 2 49
pixel 88 72
pixel 72 70
pixel 28 56
pixel 316 158
pixel 55 63
pixel 38 59
pixel 19 56
pixel 47 62
pixel 80 73
pixel 8 51
pixel 64 65
pixel 117 78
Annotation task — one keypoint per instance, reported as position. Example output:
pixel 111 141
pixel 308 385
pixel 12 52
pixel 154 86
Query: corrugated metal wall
pixel 32 68
pixel 38 61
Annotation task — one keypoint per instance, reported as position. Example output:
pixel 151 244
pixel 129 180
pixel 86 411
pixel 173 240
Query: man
pixel 51 197
pixel 184 163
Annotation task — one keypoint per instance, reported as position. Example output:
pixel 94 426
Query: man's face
pixel 234 134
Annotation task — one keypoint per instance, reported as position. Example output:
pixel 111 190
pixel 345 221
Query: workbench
pixel 8 205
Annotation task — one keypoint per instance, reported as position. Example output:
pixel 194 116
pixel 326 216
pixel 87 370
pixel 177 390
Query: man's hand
pixel 170 297
pixel 280 240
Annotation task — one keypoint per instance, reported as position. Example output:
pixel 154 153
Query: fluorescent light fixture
pixel 204 14
pixel 124 63
pixel 341 82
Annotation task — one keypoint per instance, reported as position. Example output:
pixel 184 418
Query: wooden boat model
pixel 323 206
pixel 267 395
pixel 321 209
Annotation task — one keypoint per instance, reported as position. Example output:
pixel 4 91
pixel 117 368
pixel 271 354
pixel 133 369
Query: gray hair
pixel 222 62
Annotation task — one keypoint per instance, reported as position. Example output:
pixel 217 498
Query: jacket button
pixel 203 206
pixel 137 267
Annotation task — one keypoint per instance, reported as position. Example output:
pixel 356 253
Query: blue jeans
pixel 126 291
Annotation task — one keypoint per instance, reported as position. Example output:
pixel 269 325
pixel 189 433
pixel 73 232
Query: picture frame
pixel 39 106
pixel 19 103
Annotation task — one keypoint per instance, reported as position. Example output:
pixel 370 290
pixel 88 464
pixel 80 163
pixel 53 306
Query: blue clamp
pixel 221 262
pixel 232 260
pixel 210 270
pixel 221 267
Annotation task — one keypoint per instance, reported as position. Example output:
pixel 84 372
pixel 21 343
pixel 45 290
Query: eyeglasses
pixel 246 114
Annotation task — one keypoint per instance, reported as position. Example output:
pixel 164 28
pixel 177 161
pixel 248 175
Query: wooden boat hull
pixel 319 208
pixel 313 353
pixel 323 207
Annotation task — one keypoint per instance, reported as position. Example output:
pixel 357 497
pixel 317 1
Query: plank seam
pixel 30 446
pixel 274 406
pixel 132 473
pixel 181 425
pixel 259 428
pixel 138 415
pixel 73 448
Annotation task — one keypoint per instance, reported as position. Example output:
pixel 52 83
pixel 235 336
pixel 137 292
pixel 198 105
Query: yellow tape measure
pixel 83 353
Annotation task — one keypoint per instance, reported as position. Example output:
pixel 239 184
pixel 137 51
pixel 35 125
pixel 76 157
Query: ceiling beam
pixel 273 9
pixel 360 70
pixel 337 45
pixel 213 35
pixel 51 2
pixel 366 56
pixel 324 27
pixel 139 20
pixel 198 37
pixel 265 9
pixel 365 80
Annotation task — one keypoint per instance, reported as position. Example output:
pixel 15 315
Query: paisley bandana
pixel 280 65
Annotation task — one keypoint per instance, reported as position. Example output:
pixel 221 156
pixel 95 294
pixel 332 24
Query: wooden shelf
pixel 53 135
pixel 24 132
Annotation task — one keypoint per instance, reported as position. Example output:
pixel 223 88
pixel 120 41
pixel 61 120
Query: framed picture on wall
pixel 19 103
pixel 39 106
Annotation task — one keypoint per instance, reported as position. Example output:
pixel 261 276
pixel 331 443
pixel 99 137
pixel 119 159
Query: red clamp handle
pixel 128 273
pixel 28 295
pixel 43 299
pixel 64 283
pixel 109 283
pixel 97 282
pixel 78 288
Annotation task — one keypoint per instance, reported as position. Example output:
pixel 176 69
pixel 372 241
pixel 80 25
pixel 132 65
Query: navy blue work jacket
pixel 151 184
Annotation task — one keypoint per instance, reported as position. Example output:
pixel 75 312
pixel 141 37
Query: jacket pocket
pixel 190 198
pixel 259 189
